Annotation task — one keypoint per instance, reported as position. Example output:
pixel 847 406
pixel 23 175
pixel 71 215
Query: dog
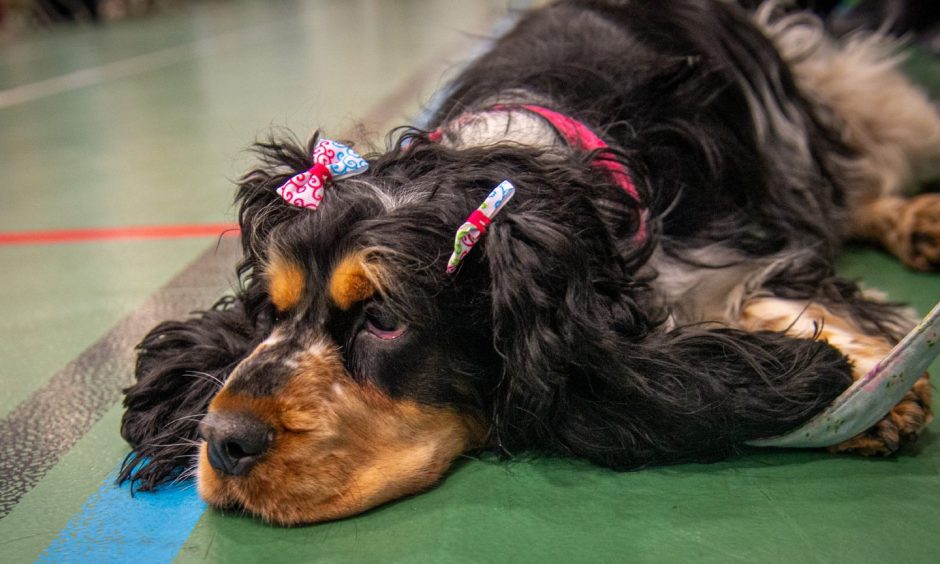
pixel 660 288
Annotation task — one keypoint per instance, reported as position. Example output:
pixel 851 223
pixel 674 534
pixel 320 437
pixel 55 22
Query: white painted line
pixel 134 65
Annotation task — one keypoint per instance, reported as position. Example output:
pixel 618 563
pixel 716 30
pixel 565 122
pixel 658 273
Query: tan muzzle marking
pixel 339 448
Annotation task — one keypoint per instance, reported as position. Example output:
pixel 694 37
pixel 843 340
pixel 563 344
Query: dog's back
pixel 752 127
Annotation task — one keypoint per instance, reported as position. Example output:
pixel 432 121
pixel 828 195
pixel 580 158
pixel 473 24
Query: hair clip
pixel 331 161
pixel 475 227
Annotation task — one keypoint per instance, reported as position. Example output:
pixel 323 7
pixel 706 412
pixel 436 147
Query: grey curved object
pixel 871 397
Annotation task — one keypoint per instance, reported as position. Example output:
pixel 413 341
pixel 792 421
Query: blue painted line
pixel 112 526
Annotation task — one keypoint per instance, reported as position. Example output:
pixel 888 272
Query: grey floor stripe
pixel 35 435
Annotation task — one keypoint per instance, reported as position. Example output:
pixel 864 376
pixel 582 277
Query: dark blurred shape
pixel 898 17
pixel 917 20
pixel 20 15
pixel 72 10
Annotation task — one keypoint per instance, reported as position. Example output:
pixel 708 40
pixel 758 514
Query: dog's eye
pixel 383 324
pixel 275 316
pixel 268 317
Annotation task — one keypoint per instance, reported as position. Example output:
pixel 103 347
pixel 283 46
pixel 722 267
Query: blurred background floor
pixel 105 129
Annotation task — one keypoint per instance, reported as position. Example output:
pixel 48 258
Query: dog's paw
pixel 916 236
pixel 899 427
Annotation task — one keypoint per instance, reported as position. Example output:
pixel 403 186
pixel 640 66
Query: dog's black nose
pixel 234 441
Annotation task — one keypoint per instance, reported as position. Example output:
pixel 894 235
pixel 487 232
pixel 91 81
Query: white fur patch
pixel 494 127
pixel 274 338
pixel 318 348
pixel 695 293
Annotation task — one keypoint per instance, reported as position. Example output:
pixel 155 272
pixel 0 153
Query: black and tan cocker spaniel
pixel 658 289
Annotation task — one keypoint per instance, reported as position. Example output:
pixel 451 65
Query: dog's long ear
pixel 180 366
pixel 587 373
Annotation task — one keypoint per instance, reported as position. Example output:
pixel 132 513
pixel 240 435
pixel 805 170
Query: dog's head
pixel 375 367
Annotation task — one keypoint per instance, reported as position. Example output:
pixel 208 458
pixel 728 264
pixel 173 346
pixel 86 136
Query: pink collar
pixel 578 135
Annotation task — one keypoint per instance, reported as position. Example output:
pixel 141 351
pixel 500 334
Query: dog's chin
pixel 308 477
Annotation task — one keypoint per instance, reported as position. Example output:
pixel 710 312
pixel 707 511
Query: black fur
pixel 180 366
pixel 553 330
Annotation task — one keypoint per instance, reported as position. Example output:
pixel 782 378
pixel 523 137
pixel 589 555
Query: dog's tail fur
pixel 860 92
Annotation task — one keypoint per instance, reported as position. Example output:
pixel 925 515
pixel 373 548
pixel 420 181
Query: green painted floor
pixel 143 122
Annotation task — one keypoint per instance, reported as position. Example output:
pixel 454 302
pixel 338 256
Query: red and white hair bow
pixel 331 161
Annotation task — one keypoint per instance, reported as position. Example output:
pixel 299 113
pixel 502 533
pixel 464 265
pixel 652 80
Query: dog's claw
pixel 899 427
pixel 918 237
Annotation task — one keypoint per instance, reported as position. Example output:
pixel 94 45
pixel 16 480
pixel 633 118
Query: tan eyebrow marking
pixel 353 281
pixel 285 282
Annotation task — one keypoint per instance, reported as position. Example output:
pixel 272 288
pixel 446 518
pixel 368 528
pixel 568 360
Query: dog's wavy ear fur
pixel 587 374
pixel 181 364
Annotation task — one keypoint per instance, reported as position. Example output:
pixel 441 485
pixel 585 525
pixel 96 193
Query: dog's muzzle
pixel 234 441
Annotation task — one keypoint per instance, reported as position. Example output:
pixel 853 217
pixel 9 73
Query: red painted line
pixel 53 236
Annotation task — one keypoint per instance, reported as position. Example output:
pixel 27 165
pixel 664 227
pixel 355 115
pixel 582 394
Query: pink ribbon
pixel 331 161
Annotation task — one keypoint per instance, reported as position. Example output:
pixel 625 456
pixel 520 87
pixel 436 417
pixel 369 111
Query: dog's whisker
pixel 185 475
pixel 173 445
pixel 205 376
pixel 197 418
pixel 177 442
